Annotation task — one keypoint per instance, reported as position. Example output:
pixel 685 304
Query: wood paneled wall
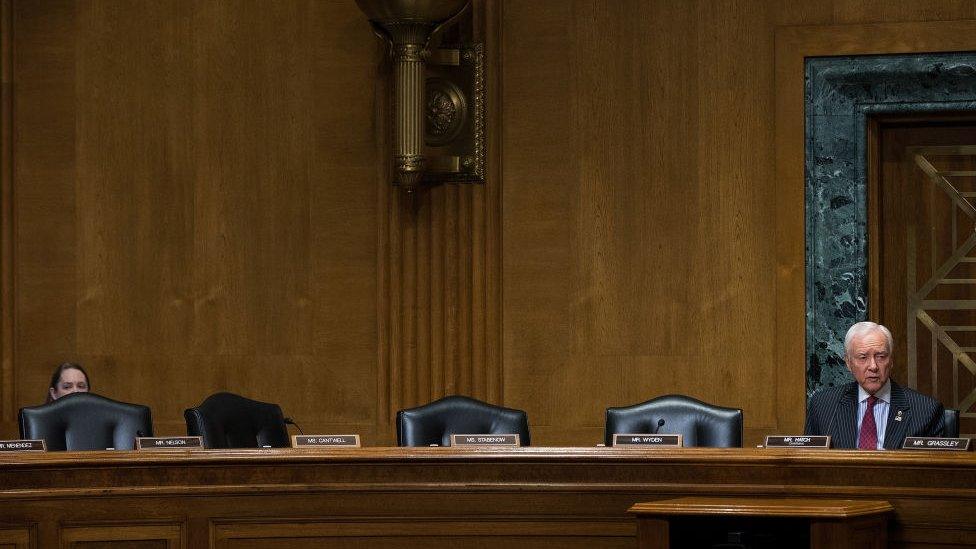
pixel 198 200
pixel 195 198
pixel 444 271
pixel 196 203
pixel 640 206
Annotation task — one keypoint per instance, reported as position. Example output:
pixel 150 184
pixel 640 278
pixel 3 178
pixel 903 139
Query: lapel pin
pixel 898 416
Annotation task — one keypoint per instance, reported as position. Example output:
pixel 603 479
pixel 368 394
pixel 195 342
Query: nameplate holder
pixel 26 445
pixel 634 440
pixel 169 443
pixel 463 441
pixel 798 441
pixel 318 441
pixel 936 443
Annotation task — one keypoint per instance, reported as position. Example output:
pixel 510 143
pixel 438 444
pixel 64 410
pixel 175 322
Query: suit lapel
pixel 895 431
pixel 845 428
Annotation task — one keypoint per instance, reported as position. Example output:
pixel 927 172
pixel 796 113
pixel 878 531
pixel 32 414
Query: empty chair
pixel 226 420
pixel 434 423
pixel 86 421
pixel 951 418
pixel 700 423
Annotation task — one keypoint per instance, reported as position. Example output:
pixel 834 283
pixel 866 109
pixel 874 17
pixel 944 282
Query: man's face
pixel 869 359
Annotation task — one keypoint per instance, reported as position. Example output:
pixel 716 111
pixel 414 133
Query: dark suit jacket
pixel 833 412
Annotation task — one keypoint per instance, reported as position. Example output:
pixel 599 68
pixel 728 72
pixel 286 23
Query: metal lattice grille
pixel 951 321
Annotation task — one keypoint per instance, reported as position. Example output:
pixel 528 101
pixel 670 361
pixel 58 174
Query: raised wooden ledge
pixel 702 456
pixel 763 507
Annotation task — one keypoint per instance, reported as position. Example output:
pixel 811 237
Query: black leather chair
pixel 951 423
pixel 700 423
pixel 86 421
pixel 226 420
pixel 434 423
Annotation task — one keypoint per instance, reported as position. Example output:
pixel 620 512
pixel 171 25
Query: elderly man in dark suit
pixel 873 412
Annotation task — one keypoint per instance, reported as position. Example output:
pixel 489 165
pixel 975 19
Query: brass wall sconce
pixel 439 109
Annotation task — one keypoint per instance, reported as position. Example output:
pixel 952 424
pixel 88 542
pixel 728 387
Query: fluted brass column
pixel 408 26
pixel 409 112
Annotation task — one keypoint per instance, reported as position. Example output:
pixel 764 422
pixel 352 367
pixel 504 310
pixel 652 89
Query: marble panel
pixel 841 94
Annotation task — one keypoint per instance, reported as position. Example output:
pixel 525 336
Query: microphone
pixel 660 423
pixel 290 421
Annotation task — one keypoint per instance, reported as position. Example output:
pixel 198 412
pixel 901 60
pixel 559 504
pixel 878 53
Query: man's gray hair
pixel 864 328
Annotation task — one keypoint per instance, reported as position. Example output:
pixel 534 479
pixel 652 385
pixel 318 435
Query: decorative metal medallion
pixel 446 110
pixel 454 111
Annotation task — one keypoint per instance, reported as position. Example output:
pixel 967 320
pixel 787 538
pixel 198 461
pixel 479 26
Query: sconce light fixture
pixel 438 96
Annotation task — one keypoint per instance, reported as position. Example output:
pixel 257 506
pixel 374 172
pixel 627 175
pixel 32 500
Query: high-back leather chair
pixel 86 421
pixel 700 423
pixel 226 420
pixel 951 418
pixel 434 423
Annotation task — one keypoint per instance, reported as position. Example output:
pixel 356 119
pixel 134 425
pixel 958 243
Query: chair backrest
pixel 226 420
pixel 951 418
pixel 434 423
pixel 700 423
pixel 86 421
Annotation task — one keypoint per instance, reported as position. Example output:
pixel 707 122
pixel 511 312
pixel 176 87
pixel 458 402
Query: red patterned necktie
pixel 868 439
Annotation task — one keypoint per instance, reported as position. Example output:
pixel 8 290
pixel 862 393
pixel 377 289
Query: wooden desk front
pixel 438 497
pixel 814 523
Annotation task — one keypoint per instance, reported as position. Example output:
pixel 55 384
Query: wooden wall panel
pixel 640 207
pixel 195 205
pixel 539 178
pixel 6 211
pixel 196 198
pixel 656 254
pixel 419 533
pixel 153 536
pixel 735 251
pixel 42 201
pixel 878 11
pixel 444 270
pixel 200 201
pixel 15 538
pixel 441 257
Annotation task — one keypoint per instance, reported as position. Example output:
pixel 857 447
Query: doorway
pixel 922 252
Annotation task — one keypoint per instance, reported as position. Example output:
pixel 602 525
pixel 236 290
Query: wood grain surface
pixel 763 507
pixel 195 198
pixel 441 497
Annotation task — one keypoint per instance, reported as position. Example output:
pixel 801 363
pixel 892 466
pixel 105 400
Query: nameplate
pixel 311 441
pixel 22 446
pixel 632 440
pixel 936 443
pixel 169 443
pixel 798 441
pixel 485 440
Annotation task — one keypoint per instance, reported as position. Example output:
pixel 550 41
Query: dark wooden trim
pixel 6 214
